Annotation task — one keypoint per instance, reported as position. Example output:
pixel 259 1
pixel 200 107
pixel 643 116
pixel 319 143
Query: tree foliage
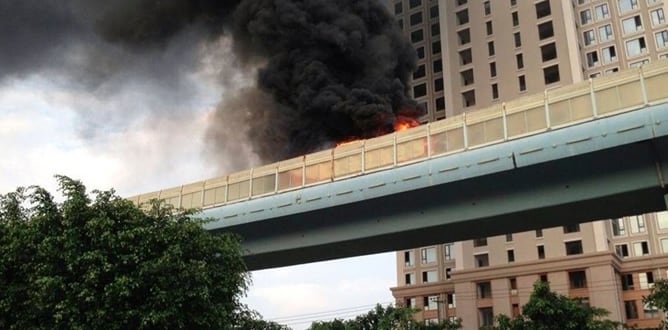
pixel 548 310
pixel 658 297
pixel 100 262
pixel 385 318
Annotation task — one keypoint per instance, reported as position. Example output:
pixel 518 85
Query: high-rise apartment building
pixel 479 53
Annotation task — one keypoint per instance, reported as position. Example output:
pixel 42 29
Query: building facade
pixel 479 53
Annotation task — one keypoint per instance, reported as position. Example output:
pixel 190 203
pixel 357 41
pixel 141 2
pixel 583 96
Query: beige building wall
pixel 615 261
pixel 496 33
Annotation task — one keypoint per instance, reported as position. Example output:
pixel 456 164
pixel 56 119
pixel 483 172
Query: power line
pixel 325 315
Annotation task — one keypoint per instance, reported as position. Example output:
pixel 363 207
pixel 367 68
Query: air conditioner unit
pixel 513 292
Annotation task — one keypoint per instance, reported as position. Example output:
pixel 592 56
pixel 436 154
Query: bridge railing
pixel 555 108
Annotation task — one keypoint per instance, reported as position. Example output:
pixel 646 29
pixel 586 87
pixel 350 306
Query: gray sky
pixel 49 127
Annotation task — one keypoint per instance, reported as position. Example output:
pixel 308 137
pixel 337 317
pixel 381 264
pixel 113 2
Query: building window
pixel 646 280
pixel 627 282
pixel 467 79
pixel 539 233
pixel 611 71
pixel 468 98
pixel 400 22
pixel 661 39
pixel 618 228
pixel 420 52
pixel 511 255
pixel 602 12
pixel 433 12
pixel 520 65
pixel 448 273
pixel 622 250
pixel 492 69
pixel 548 52
pixel 464 36
pixel 416 19
pixel 515 311
pixel 436 47
pixel 640 249
pixel 479 242
pixel 664 245
pixel 551 74
pixel 485 317
pixel 518 39
pixel 516 19
pixel 465 56
pixel 592 59
pixel 573 228
pixel 578 279
pixel 420 72
pixel 488 8
pixel 632 24
pixel 637 224
pixel 461 2
pixel 489 28
pixel 658 16
pixel 626 5
pixel 437 66
pixel 522 82
pixel 573 247
pixel 435 29
pixel 410 278
pixel 429 276
pixel 609 54
pixel 398 8
pixel 414 3
pixel 490 48
pixel 417 36
pixel 430 303
pixel 543 278
pixel 545 30
pixel 428 255
pixel 408 258
pixel 585 17
pixel 631 309
pixel 462 17
pixel 513 3
pixel 588 37
pixel 541 251
pixel 509 237
pixel 448 249
pixel 410 302
pixel 605 33
pixel 452 302
pixel 420 90
pixel 481 260
pixel 438 85
pixel 662 219
pixel 440 103
pixel 484 290
pixel 543 9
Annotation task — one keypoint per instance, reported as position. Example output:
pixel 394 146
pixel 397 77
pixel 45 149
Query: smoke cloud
pixel 295 75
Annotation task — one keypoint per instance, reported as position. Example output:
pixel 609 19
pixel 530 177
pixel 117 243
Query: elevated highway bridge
pixel 592 150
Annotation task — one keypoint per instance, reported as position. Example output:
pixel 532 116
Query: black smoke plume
pixel 324 70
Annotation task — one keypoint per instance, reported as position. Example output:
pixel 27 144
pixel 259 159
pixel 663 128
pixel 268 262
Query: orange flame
pixel 403 123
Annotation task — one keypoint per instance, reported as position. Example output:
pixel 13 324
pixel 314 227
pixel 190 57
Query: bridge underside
pixel 608 183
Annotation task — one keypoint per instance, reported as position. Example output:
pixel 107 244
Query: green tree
pixel 100 262
pixel 548 310
pixel 385 318
pixel 658 297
